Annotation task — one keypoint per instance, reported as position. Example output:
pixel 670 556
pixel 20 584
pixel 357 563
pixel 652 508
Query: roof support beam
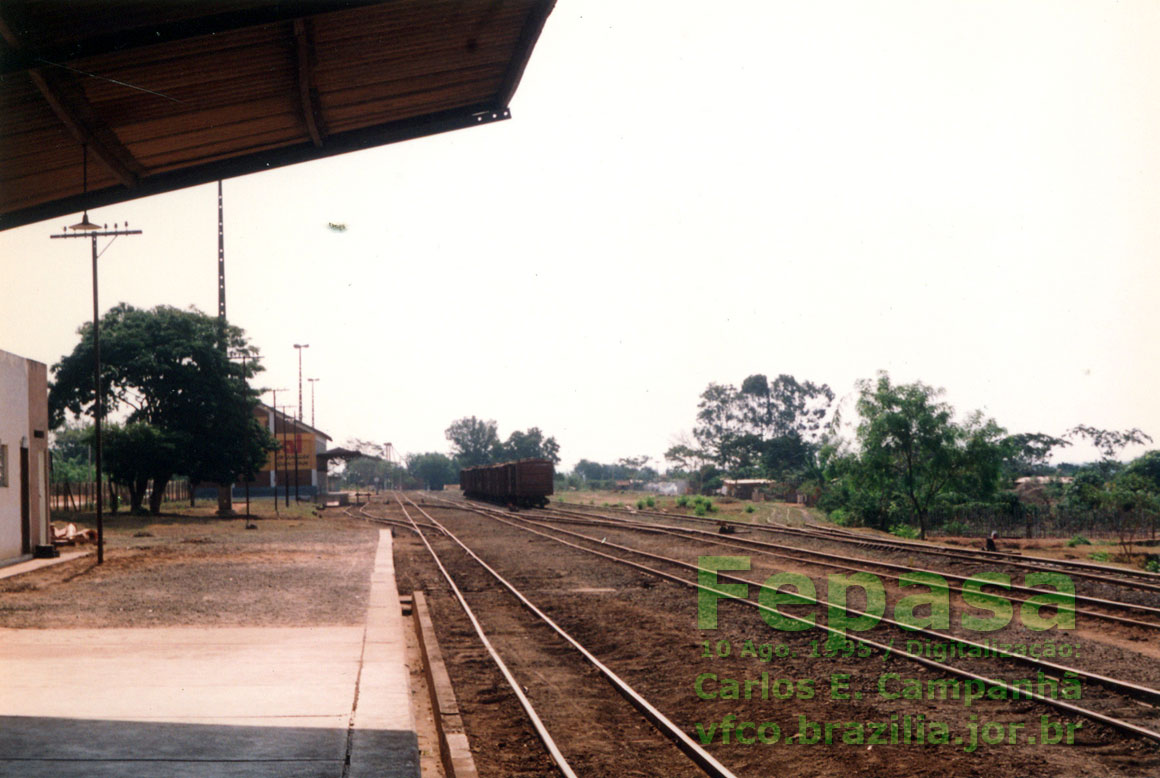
pixel 272 12
pixel 70 105
pixel 307 91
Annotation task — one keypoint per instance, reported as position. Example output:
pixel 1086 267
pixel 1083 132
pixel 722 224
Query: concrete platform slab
pixel 27 566
pixel 192 701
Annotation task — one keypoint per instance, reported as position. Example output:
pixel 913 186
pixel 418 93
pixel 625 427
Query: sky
pixel 962 193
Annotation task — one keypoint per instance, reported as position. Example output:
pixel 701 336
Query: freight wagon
pixel 524 482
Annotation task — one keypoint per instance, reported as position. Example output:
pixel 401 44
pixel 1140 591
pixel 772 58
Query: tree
pixel 785 407
pixel 590 471
pixel 136 453
pixel 530 444
pixel 1147 467
pixel 911 446
pixel 434 470
pixel 763 429
pixel 718 421
pixel 1028 452
pixel 1109 442
pixel 169 368
pixel 71 453
pixel 473 441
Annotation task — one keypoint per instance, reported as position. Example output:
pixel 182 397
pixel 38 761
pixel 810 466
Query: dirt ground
pixel 646 630
pixel 306 569
pixel 181 570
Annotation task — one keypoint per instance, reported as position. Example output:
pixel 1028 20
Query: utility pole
pixel 221 259
pixel 300 346
pixel 244 356
pixel 86 229
pixel 312 381
pixel 274 422
pixel 286 455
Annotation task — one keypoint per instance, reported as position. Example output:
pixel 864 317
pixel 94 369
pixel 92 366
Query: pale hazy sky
pixel 964 193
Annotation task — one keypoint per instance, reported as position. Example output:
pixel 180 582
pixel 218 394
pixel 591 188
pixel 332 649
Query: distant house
pixel 747 488
pixel 24 517
pixel 668 487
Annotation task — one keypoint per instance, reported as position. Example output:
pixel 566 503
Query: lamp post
pixel 300 346
pixel 86 229
pixel 312 381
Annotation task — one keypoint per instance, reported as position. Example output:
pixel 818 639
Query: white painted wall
pixel 13 426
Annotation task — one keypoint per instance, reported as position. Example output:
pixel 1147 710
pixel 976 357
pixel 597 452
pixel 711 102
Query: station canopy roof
pixel 165 95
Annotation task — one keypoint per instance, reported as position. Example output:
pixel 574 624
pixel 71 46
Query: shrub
pixel 709 506
pixel 748 508
pixel 1078 540
pixel 650 502
pixel 1099 556
pixel 699 510
pixel 682 500
pixel 1153 564
pixel 640 505
pixel 904 531
pixel 956 527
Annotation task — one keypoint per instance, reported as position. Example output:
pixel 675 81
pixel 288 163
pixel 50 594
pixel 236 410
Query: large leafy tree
pixel 433 470
pixel 169 369
pixel 473 441
pixel 785 407
pixel 765 428
pixel 530 444
pixel 912 447
pixel 134 454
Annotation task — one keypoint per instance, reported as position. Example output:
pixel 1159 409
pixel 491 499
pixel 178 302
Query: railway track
pixel 1141 580
pixel 1144 617
pixel 1127 707
pixel 689 756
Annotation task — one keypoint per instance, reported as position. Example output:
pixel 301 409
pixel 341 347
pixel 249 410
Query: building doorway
pixel 25 507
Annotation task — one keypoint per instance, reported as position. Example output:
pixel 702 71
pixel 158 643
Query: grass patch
pixel 1078 540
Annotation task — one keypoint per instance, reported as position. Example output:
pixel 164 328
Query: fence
pixel 82 495
pixel 1031 521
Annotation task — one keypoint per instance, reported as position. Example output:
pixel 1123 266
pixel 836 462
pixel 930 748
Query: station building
pixel 24 461
pixel 299 461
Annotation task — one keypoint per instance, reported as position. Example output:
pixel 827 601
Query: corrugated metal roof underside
pixel 193 109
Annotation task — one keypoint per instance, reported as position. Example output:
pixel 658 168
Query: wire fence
pixel 1031 521
pixel 80 496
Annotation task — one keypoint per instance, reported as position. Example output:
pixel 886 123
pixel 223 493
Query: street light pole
pixel 86 229
pixel 300 346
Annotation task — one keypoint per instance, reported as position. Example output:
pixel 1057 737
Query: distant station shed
pixel 166 95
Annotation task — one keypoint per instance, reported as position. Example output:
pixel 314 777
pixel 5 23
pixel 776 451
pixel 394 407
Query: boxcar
pixel 524 482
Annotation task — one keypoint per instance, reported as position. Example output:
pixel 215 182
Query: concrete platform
pixel 28 565
pixel 191 701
